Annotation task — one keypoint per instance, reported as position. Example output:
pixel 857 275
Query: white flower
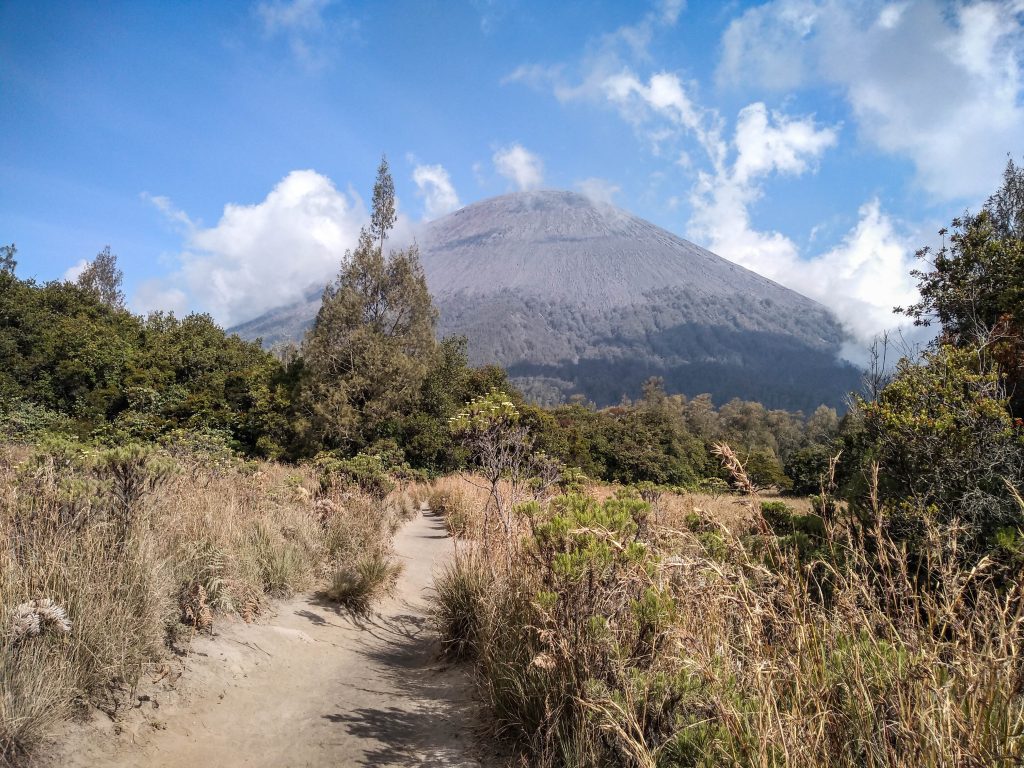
pixel 32 618
pixel 25 622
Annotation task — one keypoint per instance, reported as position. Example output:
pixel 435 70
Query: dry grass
pixel 701 641
pixel 206 539
pixel 670 509
pixel 358 585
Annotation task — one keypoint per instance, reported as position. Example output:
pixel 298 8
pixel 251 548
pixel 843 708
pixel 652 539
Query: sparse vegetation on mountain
pixel 576 297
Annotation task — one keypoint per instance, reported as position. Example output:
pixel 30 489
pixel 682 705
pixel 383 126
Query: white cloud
pixel 599 190
pixel 434 185
pixel 265 255
pixel 72 273
pixel 662 110
pixel 520 166
pixel 767 143
pixel 860 280
pixel 170 211
pixel 605 57
pixel 310 35
pixel 940 85
pixel 153 295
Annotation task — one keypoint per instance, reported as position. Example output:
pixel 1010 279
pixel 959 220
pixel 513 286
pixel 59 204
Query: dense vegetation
pixel 879 623
pixel 370 377
pixel 99 370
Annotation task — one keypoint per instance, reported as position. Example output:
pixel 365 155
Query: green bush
pixel 366 472
pixel 778 516
pixel 947 449
pixel 808 468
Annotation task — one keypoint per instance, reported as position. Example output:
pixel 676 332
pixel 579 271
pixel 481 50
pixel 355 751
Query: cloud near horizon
pixel 435 186
pixel 520 166
pixel 260 256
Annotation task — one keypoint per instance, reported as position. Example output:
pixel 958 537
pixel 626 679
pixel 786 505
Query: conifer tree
pixel 373 341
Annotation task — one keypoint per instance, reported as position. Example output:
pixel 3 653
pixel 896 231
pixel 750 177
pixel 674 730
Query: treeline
pixel 370 378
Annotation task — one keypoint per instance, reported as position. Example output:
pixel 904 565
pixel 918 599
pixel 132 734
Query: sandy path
pixel 309 687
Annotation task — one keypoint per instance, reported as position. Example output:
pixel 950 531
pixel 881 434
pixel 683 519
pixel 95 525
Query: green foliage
pixel 975 279
pixel 128 378
pixel 626 444
pixel 808 468
pixel 367 472
pixel 665 440
pixel 974 285
pixel 778 516
pixel 765 472
pixel 22 421
pixel 947 447
pixel 372 345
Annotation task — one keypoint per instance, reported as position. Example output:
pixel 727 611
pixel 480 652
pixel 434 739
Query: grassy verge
pixel 605 631
pixel 142 547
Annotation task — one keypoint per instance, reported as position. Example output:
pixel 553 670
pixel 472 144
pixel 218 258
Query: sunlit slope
pixel 574 296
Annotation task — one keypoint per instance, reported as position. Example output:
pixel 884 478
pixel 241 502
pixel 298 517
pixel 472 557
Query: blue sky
pixel 224 151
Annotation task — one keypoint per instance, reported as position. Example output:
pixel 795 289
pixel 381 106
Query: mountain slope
pixel 574 296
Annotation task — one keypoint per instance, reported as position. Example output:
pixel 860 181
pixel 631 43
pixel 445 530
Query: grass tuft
pixel 358 586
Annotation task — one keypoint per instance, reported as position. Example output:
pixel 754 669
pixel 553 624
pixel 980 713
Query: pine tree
pixel 373 341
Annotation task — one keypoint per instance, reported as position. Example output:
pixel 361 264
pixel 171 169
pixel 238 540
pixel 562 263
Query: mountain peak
pixel 573 295
pixel 562 245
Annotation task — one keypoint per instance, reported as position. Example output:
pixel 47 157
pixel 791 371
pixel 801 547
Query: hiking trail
pixel 308 686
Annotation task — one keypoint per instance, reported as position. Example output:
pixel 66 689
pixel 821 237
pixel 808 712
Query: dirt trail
pixel 308 687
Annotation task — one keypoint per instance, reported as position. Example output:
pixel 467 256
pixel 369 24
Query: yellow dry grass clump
pixel 685 630
pixel 110 556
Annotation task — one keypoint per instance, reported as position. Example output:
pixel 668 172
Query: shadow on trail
pixel 405 738
pixel 401 641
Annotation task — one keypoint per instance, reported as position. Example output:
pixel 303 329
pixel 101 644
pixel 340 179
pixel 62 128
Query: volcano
pixel 574 296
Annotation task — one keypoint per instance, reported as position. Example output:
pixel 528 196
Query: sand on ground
pixel 311 686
